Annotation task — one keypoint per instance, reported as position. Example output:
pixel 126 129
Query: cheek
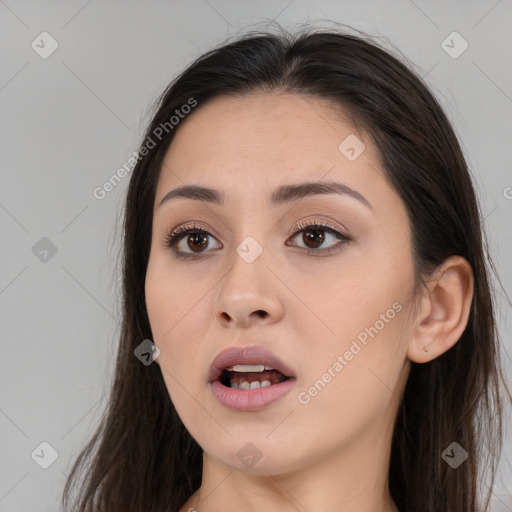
pixel 354 298
pixel 352 385
pixel 364 309
pixel 175 315
pixel 178 316
pixel 168 298
pixel 160 305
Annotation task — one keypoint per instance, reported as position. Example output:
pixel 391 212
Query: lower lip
pixel 250 399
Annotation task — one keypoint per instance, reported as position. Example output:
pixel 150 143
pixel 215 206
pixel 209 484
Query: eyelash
pixel 174 237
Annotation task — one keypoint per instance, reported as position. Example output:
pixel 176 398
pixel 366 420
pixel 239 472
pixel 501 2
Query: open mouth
pixel 249 379
pixel 251 376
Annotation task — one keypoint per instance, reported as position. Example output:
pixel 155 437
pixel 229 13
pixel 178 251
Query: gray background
pixel 69 121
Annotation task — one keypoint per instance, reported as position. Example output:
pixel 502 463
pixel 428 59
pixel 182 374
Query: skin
pixel 332 453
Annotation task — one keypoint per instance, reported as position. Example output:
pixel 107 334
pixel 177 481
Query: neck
pixel 352 478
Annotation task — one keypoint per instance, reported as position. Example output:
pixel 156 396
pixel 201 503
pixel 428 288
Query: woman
pixel 304 264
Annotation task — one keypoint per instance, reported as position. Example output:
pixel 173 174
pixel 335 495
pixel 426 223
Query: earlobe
pixel 444 310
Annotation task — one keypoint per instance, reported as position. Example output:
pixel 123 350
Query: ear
pixel 444 310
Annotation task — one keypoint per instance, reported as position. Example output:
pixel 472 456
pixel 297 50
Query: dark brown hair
pixel 141 458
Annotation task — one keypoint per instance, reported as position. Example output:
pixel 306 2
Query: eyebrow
pixel 283 194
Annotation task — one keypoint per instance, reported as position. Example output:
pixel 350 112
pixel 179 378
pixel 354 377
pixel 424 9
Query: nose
pixel 248 295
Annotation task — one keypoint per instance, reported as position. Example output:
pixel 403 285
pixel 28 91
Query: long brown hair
pixel 141 457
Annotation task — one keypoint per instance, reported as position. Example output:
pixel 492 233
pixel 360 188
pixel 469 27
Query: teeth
pixel 248 368
pixel 250 385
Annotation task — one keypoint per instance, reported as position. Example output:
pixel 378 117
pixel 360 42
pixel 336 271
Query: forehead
pixel 274 120
pixel 262 140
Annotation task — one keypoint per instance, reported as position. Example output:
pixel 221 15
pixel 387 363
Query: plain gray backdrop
pixel 72 114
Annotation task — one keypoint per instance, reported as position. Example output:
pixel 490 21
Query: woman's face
pixel 333 310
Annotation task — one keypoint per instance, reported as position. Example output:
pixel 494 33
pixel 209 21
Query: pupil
pixel 308 238
pixel 194 238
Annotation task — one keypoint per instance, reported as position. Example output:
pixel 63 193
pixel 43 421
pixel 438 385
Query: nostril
pixel 227 318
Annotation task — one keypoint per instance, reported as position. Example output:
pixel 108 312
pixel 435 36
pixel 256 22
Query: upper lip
pixel 246 355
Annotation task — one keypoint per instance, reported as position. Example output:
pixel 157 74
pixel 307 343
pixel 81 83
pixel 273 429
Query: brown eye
pixel 313 237
pixel 192 241
pixel 197 241
pixel 189 240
